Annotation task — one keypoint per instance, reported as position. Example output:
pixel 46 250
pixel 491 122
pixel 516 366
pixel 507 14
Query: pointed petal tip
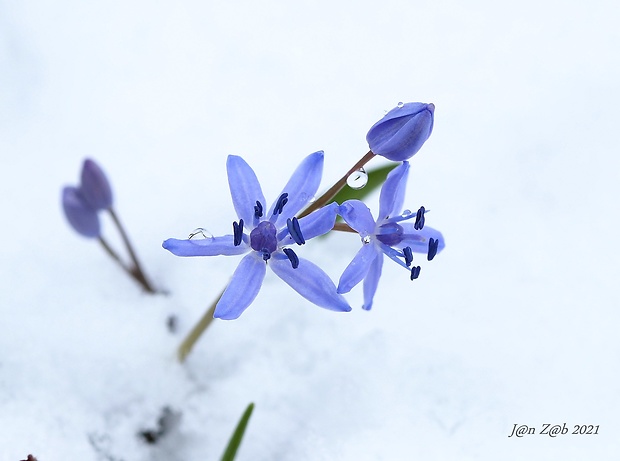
pixel 342 290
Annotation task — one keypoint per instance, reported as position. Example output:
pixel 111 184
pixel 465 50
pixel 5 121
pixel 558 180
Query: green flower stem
pixel 136 271
pixel 190 340
pixel 331 193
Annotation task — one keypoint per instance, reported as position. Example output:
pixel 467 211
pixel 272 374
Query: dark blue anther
pixel 415 272
pixel 432 248
pixel 258 210
pixel 292 257
pixel 295 231
pixel 419 219
pixel 280 204
pixel 237 232
pixel 408 255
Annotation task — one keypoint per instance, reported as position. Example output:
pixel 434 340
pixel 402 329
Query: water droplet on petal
pixel 400 104
pixel 358 179
pixel 366 240
pixel 406 213
pixel 200 231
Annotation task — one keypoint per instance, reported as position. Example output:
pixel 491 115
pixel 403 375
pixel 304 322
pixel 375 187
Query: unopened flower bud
pixel 402 131
pixel 79 213
pixel 94 186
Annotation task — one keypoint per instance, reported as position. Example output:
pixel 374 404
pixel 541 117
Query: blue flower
pixel 81 204
pixel 265 234
pixel 389 235
pixel 402 131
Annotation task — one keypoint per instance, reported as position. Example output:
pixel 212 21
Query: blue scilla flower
pixel 402 131
pixel 81 204
pixel 266 234
pixel 388 235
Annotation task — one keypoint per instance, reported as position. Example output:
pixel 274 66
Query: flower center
pixel 390 233
pixel 263 238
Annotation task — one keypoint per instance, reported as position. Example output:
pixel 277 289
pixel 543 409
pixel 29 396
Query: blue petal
pixel 242 289
pixel 358 216
pixel 358 268
pixel 94 185
pixel 311 282
pixel 244 188
pixel 372 281
pixel 301 188
pixel 211 246
pixel 418 239
pixel 82 217
pixel 393 192
pixel 316 223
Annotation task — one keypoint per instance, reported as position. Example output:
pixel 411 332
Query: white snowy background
pixel 516 322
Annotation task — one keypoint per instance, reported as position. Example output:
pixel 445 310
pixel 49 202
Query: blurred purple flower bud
pixel 402 131
pixel 95 187
pixel 79 213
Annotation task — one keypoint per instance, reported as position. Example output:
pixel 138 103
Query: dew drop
pixel 366 240
pixel 200 231
pixel 358 179
pixel 405 213
pixel 400 104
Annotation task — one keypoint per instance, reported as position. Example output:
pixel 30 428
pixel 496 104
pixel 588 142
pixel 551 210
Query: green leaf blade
pixel 237 436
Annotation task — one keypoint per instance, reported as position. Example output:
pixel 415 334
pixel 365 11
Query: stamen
pixel 280 204
pixel 408 255
pixel 419 219
pixel 415 272
pixel 237 232
pixel 295 231
pixel 292 257
pixel 432 248
pixel 266 255
pixel 258 210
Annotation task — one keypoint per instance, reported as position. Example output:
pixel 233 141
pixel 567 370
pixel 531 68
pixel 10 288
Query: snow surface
pixel 516 322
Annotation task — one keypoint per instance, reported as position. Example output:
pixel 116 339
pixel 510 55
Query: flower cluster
pixel 268 236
